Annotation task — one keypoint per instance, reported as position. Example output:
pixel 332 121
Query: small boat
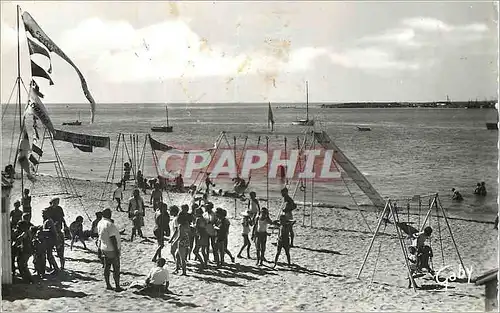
pixel 306 121
pixel 77 122
pixel 364 128
pixel 163 129
pixel 492 126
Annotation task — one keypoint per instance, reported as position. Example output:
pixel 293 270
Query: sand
pixel 327 258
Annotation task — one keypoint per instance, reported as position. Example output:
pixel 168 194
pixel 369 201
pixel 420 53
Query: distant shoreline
pixel 454 105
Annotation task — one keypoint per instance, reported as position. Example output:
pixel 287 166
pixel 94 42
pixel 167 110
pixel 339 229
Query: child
pixel 118 196
pixel 412 262
pixel 181 240
pixel 222 227
pixel 156 197
pixel 259 234
pixel 16 214
pixel 157 281
pixel 253 205
pixel 27 201
pixel 201 238
pixel 39 251
pixel 23 243
pixel 246 222
pixel 76 230
pixel 174 212
pixel 136 225
pixel 126 173
pixel 283 238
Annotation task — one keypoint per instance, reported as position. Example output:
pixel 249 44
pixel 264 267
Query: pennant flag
pixel 24 150
pixel 38 108
pixel 33 160
pixel 37 33
pixel 158 146
pixel 35 48
pixel 35 128
pixel 36 149
pixel 270 117
pixel 40 72
pixel 83 148
pixel 36 89
pixel 81 139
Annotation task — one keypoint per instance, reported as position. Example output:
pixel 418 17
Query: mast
pixel 18 9
pixel 307 100
pixel 166 112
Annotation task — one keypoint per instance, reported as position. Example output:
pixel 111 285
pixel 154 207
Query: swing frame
pixel 390 211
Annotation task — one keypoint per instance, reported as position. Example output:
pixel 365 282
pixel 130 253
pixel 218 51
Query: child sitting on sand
pixel 157 281
pixel 259 234
pixel 136 225
pixel 246 222
pixel 76 230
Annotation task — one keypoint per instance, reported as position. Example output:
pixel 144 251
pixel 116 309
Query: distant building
pixel 490 281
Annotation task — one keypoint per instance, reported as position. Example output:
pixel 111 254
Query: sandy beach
pixel 326 261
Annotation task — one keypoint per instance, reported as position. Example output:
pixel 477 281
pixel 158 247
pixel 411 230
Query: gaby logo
pixel 314 164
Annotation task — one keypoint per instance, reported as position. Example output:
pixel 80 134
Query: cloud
pixel 371 59
pixel 418 32
pixel 171 49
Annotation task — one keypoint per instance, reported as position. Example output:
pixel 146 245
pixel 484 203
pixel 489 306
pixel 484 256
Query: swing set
pixel 305 140
pixel 391 215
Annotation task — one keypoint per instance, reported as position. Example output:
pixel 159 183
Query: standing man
pixel 287 211
pixel 109 246
pixel 56 213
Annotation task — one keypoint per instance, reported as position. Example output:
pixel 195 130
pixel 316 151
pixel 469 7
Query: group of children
pixel 38 242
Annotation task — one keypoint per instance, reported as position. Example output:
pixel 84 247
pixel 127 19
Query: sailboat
pixel 77 122
pixel 163 129
pixel 306 121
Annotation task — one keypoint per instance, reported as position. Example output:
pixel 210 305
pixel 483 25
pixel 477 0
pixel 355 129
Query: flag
pixel 38 109
pixel 36 149
pixel 81 139
pixel 40 72
pixel 32 27
pixel 270 118
pixel 35 128
pixel 36 89
pixel 24 150
pixel 33 160
pixel 83 148
pixel 35 48
pixel 158 146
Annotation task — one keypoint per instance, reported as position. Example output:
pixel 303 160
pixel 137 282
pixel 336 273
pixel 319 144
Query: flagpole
pixel 18 9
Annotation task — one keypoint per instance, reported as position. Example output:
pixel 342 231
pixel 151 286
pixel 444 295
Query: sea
pixel 408 152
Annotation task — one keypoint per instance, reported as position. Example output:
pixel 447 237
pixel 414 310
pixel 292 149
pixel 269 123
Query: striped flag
pixel 32 28
pixel 36 149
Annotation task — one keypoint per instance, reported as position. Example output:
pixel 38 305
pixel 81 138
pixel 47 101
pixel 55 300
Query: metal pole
pixel 267 171
pixel 18 9
pixel 428 213
pixel 373 238
pixel 451 233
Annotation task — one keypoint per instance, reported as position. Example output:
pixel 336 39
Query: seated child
pixel 76 230
pixel 157 281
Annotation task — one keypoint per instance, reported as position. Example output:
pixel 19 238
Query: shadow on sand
pixel 37 291
pixel 169 298
pixel 302 270
pixel 314 250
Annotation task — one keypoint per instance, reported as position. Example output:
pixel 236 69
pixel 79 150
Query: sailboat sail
pixel 270 118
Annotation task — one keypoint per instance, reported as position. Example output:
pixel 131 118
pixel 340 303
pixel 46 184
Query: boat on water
pixel 492 126
pixel 364 128
pixel 163 129
pixel 306 121
pixel 77 122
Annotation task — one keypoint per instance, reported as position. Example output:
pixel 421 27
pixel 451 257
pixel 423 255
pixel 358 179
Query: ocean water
pixel 408 151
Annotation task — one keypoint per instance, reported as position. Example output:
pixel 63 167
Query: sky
pixel 211 52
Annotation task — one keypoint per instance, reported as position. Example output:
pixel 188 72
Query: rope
pixel 10 98
pixel 356 203
pixel 439 231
